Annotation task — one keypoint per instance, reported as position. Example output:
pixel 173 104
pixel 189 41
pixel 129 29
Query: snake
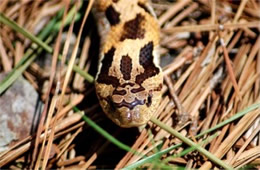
pixel 129 79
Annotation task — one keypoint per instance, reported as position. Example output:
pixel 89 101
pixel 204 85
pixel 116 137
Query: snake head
pixel 130 104
pixel 129 85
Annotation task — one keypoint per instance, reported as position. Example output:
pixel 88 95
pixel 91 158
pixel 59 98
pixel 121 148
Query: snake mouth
pixel 126 114
pixel 131 124
pixel 131 118
pixel 130 105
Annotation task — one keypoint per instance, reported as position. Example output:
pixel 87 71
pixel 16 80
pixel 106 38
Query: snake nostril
pixel 149 100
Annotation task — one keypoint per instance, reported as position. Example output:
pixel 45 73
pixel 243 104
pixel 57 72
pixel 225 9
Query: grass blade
pixel 12 76
pixel 186 140
pixel 160 153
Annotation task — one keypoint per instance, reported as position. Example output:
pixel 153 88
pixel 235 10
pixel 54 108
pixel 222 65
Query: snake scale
pixel 129 79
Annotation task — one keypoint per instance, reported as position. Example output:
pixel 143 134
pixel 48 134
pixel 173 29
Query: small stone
pixel 20 108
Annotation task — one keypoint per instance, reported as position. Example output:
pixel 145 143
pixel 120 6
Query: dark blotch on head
pixel 115 1
pixel 149 100
pixel 133 28
pixel 137 90
pixel 159 88
pixel 146 55
pixel 127 84
pixel 103 76
pixel 108 59
pixel 146 60
pixel 112 15
pixel 119 92
pixel 126 67
pixel 144 7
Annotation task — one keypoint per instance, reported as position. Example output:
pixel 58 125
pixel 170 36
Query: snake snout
pixel 132 115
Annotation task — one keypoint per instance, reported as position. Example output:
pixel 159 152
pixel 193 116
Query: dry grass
pixel 211 60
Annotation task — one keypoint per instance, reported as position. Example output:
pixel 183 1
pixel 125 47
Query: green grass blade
pixel 27 34
pixel 104 133
pixel 234 117
pixel 186 140
pixel 52 26
pixel 193 148
pixel 84 74
pixel 160 153
pixel 28 58
pixel 152 157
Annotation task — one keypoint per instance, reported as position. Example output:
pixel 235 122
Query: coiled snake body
pixel 129 79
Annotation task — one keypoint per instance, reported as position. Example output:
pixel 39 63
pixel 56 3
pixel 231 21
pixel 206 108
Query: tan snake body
pixel 129 79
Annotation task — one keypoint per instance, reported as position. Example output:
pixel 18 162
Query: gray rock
pixel 20 107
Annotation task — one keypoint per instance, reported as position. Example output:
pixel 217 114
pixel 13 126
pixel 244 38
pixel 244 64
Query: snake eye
pixel 149 100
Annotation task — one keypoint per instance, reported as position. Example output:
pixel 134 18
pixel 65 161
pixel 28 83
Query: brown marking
pixel 109 101
pixel 126 67
pixel 141 5
pixel 149 100
pixel 103 76
pixel 125 84
pixel 133 29
pixel 119 92
pixel 137 90
pixel 111 104
pixel 146 60
pixel 115 1
pixel 129 105
pixel 112 15
pixel 159 88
